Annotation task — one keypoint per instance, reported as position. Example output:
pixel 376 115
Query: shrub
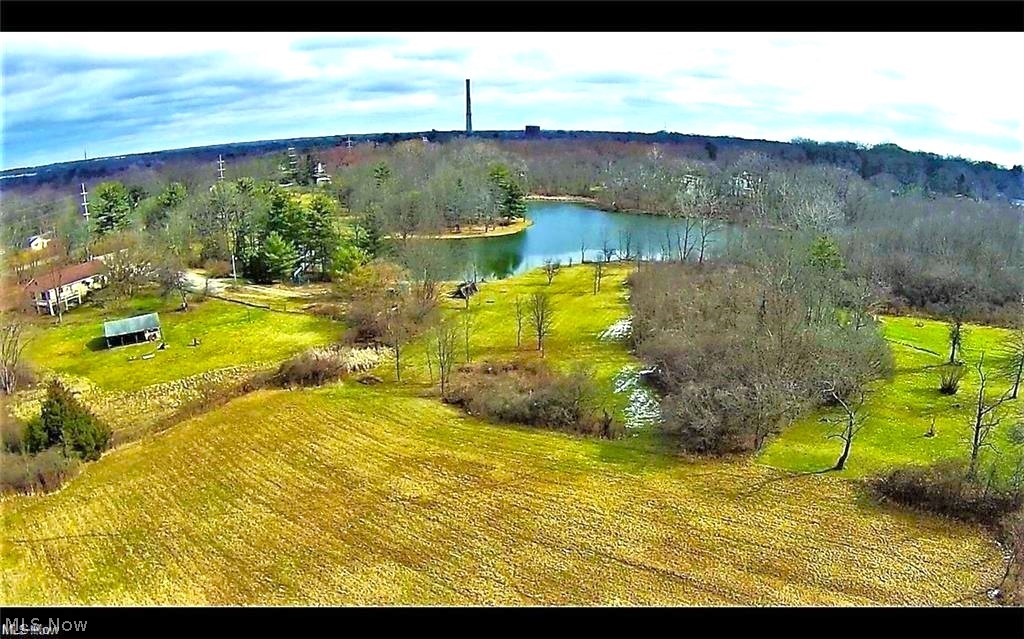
pixel 532 394
pixel 318 366
pixel 217 268
pixel 334 312
pixel 44 472
pixel 949 379
pixel 943 489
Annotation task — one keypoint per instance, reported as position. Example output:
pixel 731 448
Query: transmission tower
pixel 85 203
pixel 220 168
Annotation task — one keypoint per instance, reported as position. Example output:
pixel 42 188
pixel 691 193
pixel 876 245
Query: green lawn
pixel 899 411
pixel 229 335
pixel 579 318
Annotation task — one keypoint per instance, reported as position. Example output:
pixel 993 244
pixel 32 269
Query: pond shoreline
pixel 472 233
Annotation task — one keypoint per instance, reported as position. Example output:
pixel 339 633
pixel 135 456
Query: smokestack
pixel 469 111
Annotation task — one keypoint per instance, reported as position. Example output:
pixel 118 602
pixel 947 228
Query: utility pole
pixel 293 164
pixel 220 168
pixel 85 203
pixel 348 143
pixel 85 214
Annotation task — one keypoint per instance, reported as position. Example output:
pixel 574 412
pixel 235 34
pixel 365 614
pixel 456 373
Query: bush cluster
pixel 318 366
pixel 531 393
pixel 43 472
pixel 944 489
pixel 737 356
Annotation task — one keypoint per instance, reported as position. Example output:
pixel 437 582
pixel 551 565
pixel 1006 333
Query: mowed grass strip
pixel 229 335
pixel 899 411
pixel 359 495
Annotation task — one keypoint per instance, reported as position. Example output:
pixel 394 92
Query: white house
pixel 66 287
pixel 37 242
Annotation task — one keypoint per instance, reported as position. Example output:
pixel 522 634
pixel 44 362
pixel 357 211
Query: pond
pixel 565 231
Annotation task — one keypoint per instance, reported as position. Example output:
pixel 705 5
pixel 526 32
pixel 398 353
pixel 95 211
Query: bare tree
pixel 551 269
pixel 852 422
pixel 1013 349
pixel 444 346
pixel 606 247
pixel 985 419
pixel 583 249
pixel 467 328
pixel 541 317
pixel 12 345
pixel 708 228
pixel 520 316
pixel 626 244
pixel 598 274
pixel 957 332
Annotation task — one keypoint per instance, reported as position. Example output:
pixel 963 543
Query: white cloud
pixel 949 93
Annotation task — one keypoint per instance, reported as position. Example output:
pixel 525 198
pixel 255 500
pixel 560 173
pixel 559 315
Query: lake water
pixel 559 229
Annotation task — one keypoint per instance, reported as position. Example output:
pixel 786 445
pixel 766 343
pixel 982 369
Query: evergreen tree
pixel 511 199
pixel 279 257
pixel 287 218
pixel 66 421
pixel 321 232
pixel 112 207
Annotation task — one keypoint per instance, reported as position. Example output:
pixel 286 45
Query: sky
pixel 114 93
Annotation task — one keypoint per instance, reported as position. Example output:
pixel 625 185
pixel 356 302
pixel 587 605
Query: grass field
pixel 579 317
pixel 228 334
pixel 900 411
pixel 354 494
pixel 357 495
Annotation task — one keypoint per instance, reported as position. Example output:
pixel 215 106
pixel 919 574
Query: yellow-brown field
pixel 358 495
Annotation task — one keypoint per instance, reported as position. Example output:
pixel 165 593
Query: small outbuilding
pixel 132 330
pixel 464 291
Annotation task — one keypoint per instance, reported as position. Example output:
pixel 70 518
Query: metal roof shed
pixel 132 330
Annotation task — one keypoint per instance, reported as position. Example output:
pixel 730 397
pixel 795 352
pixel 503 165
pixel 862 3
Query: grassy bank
pixel 899 411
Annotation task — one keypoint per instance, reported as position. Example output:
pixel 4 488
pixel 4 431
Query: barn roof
pixel 113 328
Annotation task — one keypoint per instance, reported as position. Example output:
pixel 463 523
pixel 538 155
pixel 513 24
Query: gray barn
pixel 132 330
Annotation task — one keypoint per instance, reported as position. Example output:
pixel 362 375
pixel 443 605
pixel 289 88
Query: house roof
pixel 136 324
pixel 64 276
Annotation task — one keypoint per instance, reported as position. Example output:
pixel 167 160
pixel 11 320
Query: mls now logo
pixel 34 626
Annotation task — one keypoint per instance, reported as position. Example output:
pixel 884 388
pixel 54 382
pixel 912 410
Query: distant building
pixel 37 242
pixel 532 131
pixel 744 184
pixel 66 287
pixel 320 175
pixel 132 330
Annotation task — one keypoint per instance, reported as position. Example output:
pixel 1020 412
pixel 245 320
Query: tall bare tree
pixel 708 228
pixel 12 345
pixel 541 317
pixel 520 317
pixel 1013 349
pixel 598 274
pixel 852 422
pixel 445 339
pixel 985 418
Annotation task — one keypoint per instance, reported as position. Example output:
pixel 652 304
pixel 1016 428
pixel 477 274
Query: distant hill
pixel 935 173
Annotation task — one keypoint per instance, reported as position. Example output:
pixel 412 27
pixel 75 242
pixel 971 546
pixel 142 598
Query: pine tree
pixel 112 207
pixel 279 257
pixel 321 232
pixel 66 421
